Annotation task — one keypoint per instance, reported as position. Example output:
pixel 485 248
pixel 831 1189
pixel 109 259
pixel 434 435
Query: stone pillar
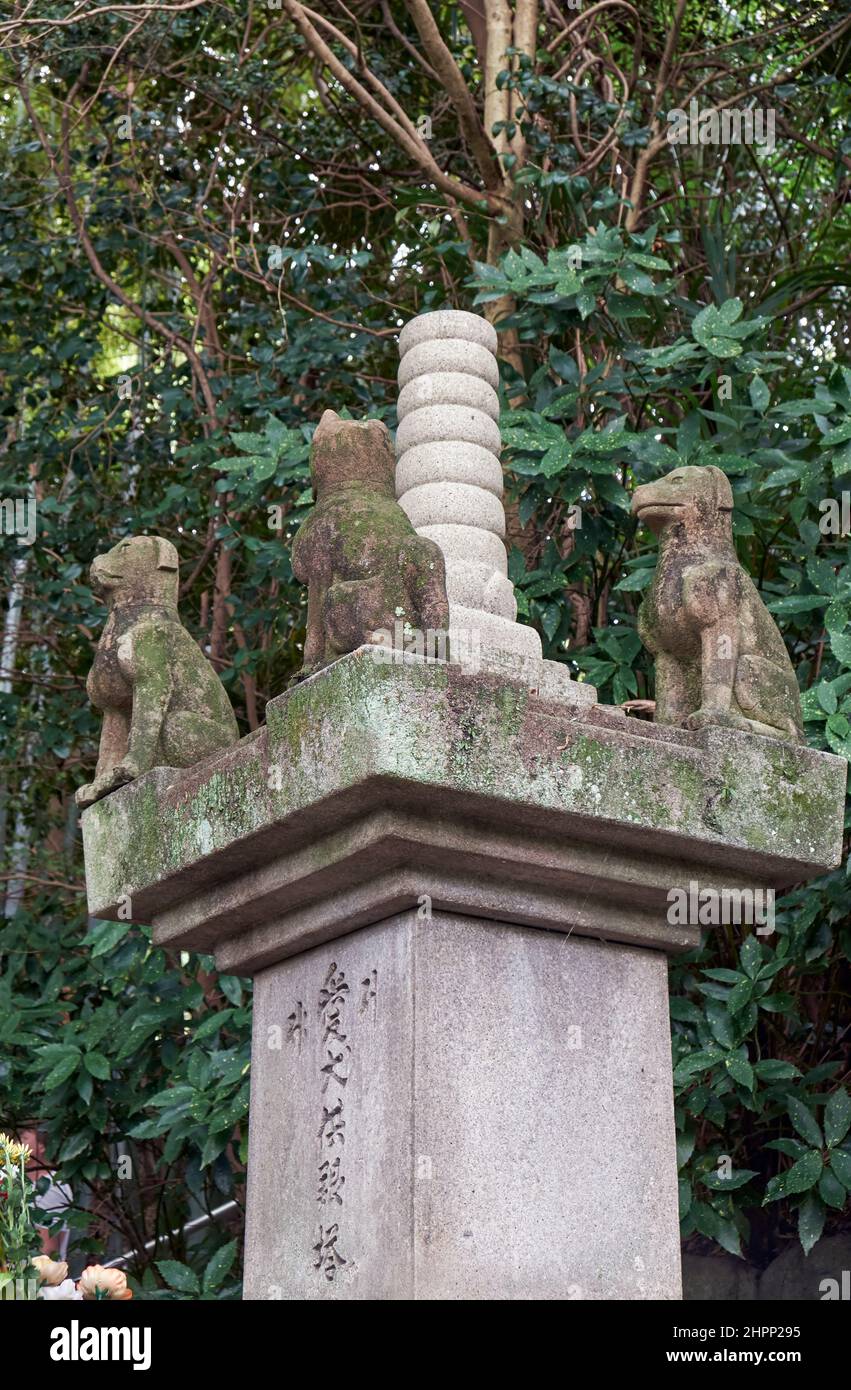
pixel 449 478
pixel 453 893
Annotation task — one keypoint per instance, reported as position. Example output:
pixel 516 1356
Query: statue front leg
pixel 719 654
pixel 674 701
pixel 112 750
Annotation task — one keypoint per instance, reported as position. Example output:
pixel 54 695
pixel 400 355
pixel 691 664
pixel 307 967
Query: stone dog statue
pixel 363 563
pixel 719 656
pixel 163 704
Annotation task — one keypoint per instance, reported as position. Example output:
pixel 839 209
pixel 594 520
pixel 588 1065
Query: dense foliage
pixel 207 235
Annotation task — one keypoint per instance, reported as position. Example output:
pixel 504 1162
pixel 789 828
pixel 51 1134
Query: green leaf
pixel 685 1011
pixel 695 1062
pixel 831 1190
pixel 219 1266
pixel 837 1117
pixel 799 1178
pixel 214 1144
pixel 721 1023
pixel 740 996
pixel 718 1228
pixel 212 1023
pixel 179 1276
pixel 667 356
pixel 75 1145
pixel 771 1070
pixel 750 957
pixel 840 1163
pixel 718 1183
pixel 635 581
pixel 637 280
pixel 97 1065
pixel 792 1148
pixel 741 1071
pixel 776 1003
pixel 685 1147
pixel 718 331
pixel 107 938
pixel 172 1095
pixel 797 603
pixel 827 697
pixel 759 394
pixel 684 1195
pixel 63 1069
pixel 231 987
pixel 811 1214
pixel 804 1121
pixel 837 435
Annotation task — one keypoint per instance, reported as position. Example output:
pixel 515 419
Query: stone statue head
pixel 697 500
pixel 351 451
pixel 138 569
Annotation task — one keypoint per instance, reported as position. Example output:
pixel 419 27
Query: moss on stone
pixel 432 724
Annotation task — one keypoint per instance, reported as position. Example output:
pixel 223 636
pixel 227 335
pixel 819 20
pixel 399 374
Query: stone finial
pixel 368 573
pixel 720 659
pixel 163 704
pixel 449 476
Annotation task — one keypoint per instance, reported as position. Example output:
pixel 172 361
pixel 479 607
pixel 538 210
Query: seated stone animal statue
pixel 364 565
pixel 163 704
pixel 720 659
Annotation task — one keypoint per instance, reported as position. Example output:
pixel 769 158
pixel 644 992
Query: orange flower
pixel 51 1272
pixel 96 1282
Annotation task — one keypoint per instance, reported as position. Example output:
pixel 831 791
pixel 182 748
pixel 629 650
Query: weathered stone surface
pixel 163 704
pixel 435 422
pixel 463 463
pixel 449 355
pixel 373 783
pixel 720 659
pixel 447 1109
pixel 796 1276
pixel 448 388
pixel 448 323
pixel 363 563
pixel 449 479
pixel 718 1278
pixel 459 504
pixel 506 1091
pixel 823 1275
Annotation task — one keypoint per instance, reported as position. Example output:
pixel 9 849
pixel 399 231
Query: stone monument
pixel 719 657
pixel 162 702
pixel 452 888
pixel 366 569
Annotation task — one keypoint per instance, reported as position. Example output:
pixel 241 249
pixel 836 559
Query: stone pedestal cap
pixel 375 782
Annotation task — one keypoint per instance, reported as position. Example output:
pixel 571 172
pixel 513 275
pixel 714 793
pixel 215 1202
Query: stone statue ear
pixel 166 555
pixel 723 491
